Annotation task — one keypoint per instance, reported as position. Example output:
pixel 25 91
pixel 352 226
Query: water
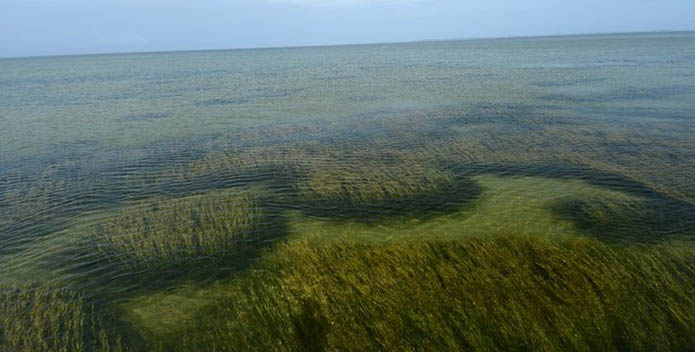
pixel 559 137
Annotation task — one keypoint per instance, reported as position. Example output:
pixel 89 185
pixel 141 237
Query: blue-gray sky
pixel 56 27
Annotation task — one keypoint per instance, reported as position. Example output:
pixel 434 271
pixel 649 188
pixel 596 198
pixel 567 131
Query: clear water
pixel 564 136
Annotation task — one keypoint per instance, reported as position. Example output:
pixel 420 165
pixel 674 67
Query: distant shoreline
pixel 569 35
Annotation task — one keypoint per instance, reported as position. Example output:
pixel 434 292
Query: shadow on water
pixel 145 116
pixel 221 101
pixel 109 279
pixel 568 83
pixel 46 211
pixel 445 199
pixel 660 113
pixel 610 220
pixel 567 172
pixel 272 92
pixel 116 274
pixel 256 94
pixel 660 218
pixel 666 214
pixel 520 117
pixel 363 99
pixel 46 199
pixel 652 218
pixel 626 94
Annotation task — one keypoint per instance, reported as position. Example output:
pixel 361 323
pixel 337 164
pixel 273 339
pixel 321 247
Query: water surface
pixel 557 137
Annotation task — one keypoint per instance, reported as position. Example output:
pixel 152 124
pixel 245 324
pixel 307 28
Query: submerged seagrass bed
pixel 522 194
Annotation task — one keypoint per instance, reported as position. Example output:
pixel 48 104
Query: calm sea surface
pixel 560 136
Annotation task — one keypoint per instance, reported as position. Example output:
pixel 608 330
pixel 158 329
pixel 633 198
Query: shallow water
pixel 563 137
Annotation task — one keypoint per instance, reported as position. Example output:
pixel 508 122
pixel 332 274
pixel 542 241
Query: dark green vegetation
pixel 369 186
pixel 620 220
pixel 219 217
pixel 511 293
pixel 168 233
pixel 41 319
pixel 216 226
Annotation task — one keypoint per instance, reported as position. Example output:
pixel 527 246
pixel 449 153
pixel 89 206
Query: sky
pixel 62 27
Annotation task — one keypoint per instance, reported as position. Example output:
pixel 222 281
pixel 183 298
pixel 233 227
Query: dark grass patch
pixel 173 232
pixel 43 207
pixel 375 197
pixel 271 92
pixel 36 319
pixel 224 101
pixel 335 78
pixel 506 293
pixel 68 193
pixel 639 112
pixel 657 218
pixel 34 206
pixel 567 83
pixel 267 74
pixel 254 94
pixel 623 221
pixel 145 116
pixel 427 80
pixel 563 171
pixel 519 114
pixel 155 245
pixel 627 94
pixel 362 99
pixel 445 200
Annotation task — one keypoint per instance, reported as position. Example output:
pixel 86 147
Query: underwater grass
pixel 452 137
pixel 329 171
pixel 27 203
pixel 509 292
pixel 628 220
pixel 388 177
pixel 355 181
pixel 646 152
pixel 525 205
pixel 36 319
pixel 375 185
pixel 405 173
pixel 168 233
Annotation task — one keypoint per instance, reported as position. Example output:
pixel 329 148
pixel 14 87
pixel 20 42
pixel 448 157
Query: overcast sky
pixel 50 27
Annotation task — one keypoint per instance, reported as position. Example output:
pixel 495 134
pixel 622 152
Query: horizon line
pixel 474 38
